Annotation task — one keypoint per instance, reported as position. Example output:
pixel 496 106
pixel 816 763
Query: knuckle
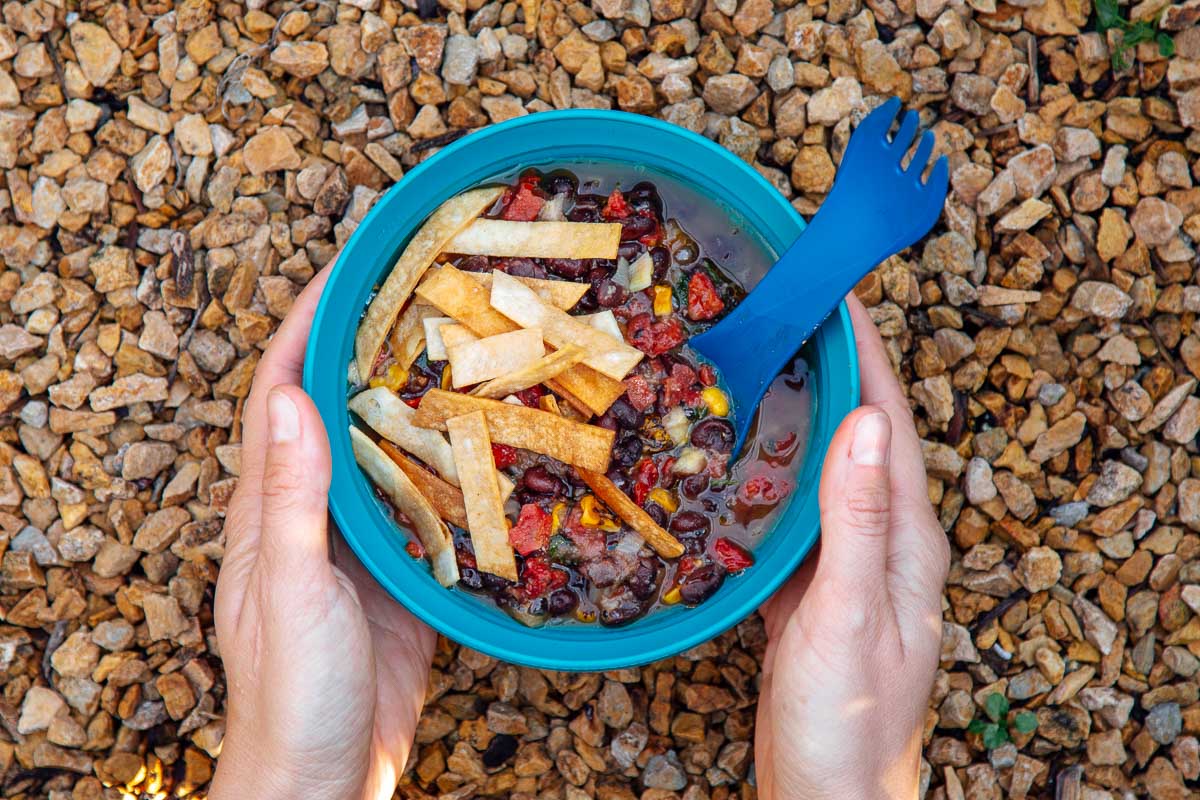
pixel 868 508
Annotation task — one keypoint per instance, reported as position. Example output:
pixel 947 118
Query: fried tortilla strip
pixel 605 321
pixel 457 296
pixel 587 446
pixel 392 418
pixel 561 294
pixel 407 338
pixel 500 237
pixel 433 533
pixel 450 218
pixel 493 356
pixel 445 498
pixel 454 334
pixel 540 371
pixel 435 348
pixel 518 302
pixel 635 517
pixel 481 495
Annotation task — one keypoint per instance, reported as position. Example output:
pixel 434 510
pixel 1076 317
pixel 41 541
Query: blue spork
pixel 876 208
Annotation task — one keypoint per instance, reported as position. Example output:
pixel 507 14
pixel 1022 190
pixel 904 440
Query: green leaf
pixel 976 726
pixel 994 736
pixel 1025 722
pixel 1120 58
pixel 996 706
pixel 1139 32
pixel 1108 15
pixel 1166 45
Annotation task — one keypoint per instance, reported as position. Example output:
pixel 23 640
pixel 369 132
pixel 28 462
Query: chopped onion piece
pixel 691 461
pixel 641 273
pixel 552 211
pixel 675 422
pixel 621 275
pixel 631 544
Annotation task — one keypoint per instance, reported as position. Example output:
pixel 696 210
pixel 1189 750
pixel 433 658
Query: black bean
pixel 561 602
pixel 620 610
pixel 494 583
pixel 539 479
pixel 501 749
pixel 629 250
pixel 608 421
pixel 693 486
pixel 619 478
pixel 661 257
pixel 469 578
pixel 645 195
pixel 523 268
pixel 609 294
pixel 569 268
pixel 626 414
pixel 628 449
pixel 474 264
pixel 657 513
pixel 689 522
pixel 644 580
pixel 701 584
pixel 714 434
pixel 634 228
pixel 561 184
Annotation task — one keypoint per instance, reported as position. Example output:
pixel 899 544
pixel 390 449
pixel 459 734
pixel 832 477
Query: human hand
pixel 326 673
pixel 854 637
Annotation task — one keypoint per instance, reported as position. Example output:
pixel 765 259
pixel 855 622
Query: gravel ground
pixel 174 173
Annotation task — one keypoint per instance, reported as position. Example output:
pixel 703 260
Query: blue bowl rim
pixel 494 633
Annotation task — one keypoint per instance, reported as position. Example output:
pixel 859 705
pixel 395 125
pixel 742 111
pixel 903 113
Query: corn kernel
pixel 672 597
pixel 664 499
pixel 662 300
pixel 590 516
pixel 585 616
pixel 446 377
pixel 717 402
pixel 609 525
pixel 394 378
pixel 556 516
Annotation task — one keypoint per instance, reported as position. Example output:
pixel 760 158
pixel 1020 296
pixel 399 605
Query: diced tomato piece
pixel 680 387
pixel 504 455
pixel 523 204
pixel 708 375
pixel 655 338
pixel 640 393
pixel 538 578
pixel 532 531
pixel 654 237
pixel 762 489
pixel 616 207
pixel 703 300
pixel 412 402
pixel 645 479
pixel 530 396
pixel 733 557
pixel 414 549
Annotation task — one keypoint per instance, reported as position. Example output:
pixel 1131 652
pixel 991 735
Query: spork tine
pixel 876 208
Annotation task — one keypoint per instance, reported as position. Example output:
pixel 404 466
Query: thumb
pixel 855 502
pixel 295 484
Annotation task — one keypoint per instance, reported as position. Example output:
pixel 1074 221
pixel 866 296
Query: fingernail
pixel 282 417
pixel 872 440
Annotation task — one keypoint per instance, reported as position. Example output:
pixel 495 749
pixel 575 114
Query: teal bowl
pixel 549 139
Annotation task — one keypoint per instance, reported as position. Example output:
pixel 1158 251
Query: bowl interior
pixel 570 139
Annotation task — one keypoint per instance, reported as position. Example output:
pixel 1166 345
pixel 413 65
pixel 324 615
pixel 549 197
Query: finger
pixel 881 389
pixel 282 363
pixel 855 498
pixel 295 483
